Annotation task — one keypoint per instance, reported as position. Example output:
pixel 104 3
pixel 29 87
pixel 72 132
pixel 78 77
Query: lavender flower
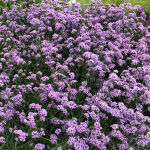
pixel 39 146
pixel 67 77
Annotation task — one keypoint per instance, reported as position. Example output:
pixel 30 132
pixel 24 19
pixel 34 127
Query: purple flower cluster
pixel 142 14
pixel 74 82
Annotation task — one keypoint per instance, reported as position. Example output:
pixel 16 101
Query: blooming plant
pixel 142 13
pixel 72 82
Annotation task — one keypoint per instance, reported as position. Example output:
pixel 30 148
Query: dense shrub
pixel 74 82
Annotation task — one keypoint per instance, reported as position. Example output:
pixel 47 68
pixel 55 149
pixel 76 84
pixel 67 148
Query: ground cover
pixel 72 82
pixel 143 3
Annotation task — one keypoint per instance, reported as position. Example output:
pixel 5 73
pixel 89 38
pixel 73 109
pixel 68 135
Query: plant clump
pixel 74 82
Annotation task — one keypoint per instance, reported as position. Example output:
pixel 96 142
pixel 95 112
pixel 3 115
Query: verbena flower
pixel 77 81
